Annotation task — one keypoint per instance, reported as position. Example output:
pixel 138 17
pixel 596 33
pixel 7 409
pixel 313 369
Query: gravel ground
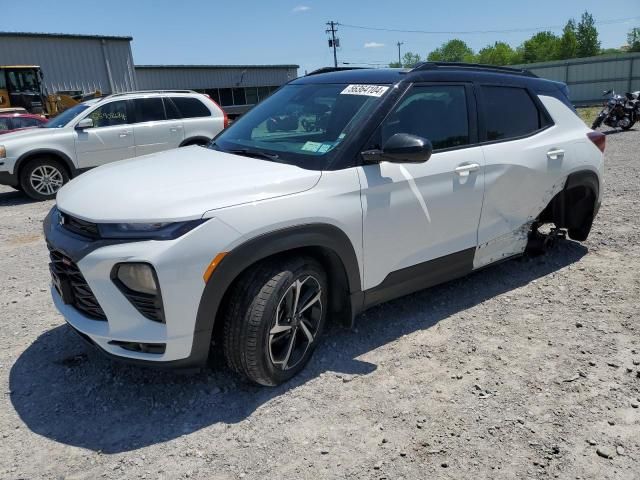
pixel 528 369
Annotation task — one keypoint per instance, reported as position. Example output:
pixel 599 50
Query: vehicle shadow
pixel 65 391
pixel 14 198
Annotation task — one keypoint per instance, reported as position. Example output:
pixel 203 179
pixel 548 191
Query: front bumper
pixel 179 267
pixel 8 174
pixel 10 179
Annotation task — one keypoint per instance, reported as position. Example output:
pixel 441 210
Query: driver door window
pixel 438 113
pixel 110 114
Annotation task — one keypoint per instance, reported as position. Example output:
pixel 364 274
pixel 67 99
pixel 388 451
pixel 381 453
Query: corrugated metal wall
pixel 588 77
pixel 74 63
pixel 199 78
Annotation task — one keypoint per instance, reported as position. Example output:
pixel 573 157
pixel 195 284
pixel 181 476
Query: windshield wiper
pixel 254 154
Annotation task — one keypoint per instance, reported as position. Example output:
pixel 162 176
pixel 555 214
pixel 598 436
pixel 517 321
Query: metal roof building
pixel 105 63
pixel 235 87
pixel 73 62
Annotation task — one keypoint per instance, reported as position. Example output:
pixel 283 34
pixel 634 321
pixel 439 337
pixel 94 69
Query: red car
pixel 11 122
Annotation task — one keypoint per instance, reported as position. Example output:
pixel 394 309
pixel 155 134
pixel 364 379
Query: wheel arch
pixel 194 140
pixel 46 152
pixel 576 202
pixel 326 243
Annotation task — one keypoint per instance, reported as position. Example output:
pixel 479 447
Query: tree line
pixel 578 39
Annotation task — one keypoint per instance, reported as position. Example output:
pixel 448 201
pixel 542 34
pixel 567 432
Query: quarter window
pixel 435 112
pixel 110 114
pixel 190 107
pixel 510 112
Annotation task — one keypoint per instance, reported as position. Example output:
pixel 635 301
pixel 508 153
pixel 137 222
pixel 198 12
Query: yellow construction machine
pixel 21 87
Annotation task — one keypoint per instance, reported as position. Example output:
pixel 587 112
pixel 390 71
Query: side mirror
pixel 401 148
pixel 606 92
pixel 84 123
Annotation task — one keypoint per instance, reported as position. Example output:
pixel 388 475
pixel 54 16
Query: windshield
pixel 23 81
pixel 65 117
pixel 301 124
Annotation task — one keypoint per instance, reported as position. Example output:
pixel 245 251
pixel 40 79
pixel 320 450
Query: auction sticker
pixel 368 90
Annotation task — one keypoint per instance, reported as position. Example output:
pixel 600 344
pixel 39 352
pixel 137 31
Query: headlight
pixel 3 152
pixel 148 231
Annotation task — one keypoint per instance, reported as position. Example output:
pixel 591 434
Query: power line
pixel 473 32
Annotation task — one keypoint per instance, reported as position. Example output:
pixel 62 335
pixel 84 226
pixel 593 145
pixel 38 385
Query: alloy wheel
pixel 296 323
pixel 46 179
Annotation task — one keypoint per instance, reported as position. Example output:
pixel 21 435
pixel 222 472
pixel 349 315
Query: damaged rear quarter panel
pixel 521 180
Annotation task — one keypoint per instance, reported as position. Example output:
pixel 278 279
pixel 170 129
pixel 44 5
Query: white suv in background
pixel 96 132
pixel 342 190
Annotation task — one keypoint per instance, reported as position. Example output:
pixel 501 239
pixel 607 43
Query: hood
pixel 179 184
pixel 32 133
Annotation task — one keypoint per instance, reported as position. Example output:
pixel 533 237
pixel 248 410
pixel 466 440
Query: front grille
pixel 81 227
pixel 66 272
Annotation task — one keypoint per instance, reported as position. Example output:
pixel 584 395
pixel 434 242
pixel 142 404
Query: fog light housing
pixel 139 284
pixel 138 277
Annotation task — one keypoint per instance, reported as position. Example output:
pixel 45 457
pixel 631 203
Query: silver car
pixel 117 127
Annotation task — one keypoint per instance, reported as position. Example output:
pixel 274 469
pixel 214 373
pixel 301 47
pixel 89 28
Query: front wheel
pixel 273 319
pixel 597 122
pixel 41 178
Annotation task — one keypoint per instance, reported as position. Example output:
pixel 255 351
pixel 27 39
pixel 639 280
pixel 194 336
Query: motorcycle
pixel 619 111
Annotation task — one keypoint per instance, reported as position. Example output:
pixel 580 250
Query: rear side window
pixel 510 112
pixel 190 107
pixel 170 108
pixel 5 124
pixel 149 109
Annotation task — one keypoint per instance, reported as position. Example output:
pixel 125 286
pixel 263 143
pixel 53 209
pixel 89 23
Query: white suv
pixel 342 190
pixel 96 132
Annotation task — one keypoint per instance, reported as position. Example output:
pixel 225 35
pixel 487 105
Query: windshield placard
pixel 368 90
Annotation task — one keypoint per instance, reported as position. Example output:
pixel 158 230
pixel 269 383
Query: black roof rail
pixel 472 66
pixel 332 69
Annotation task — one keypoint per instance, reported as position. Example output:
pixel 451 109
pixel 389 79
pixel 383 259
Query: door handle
pixel 464 170
pixel 555 154
pixel 173 129
pixel 124 134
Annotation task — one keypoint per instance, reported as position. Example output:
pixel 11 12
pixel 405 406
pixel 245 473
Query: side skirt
pixel 418 277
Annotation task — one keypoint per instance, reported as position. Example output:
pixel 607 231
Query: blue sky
pixel 282 31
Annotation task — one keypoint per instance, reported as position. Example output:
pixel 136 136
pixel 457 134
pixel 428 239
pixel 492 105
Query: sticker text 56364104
pixel 368 90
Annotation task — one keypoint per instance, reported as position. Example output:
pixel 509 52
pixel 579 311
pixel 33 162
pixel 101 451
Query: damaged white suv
pixel 344 189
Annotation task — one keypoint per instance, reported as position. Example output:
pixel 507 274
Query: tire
pixel 581 233
pixel 597 122
pixel 41 178
pixel 257 345
pixel 631 124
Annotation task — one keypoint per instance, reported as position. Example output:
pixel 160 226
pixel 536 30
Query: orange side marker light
pixel 212 266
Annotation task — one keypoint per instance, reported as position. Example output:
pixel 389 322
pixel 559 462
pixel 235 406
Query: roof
pixel 217 66
pixel 440 72
pixel 66 35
